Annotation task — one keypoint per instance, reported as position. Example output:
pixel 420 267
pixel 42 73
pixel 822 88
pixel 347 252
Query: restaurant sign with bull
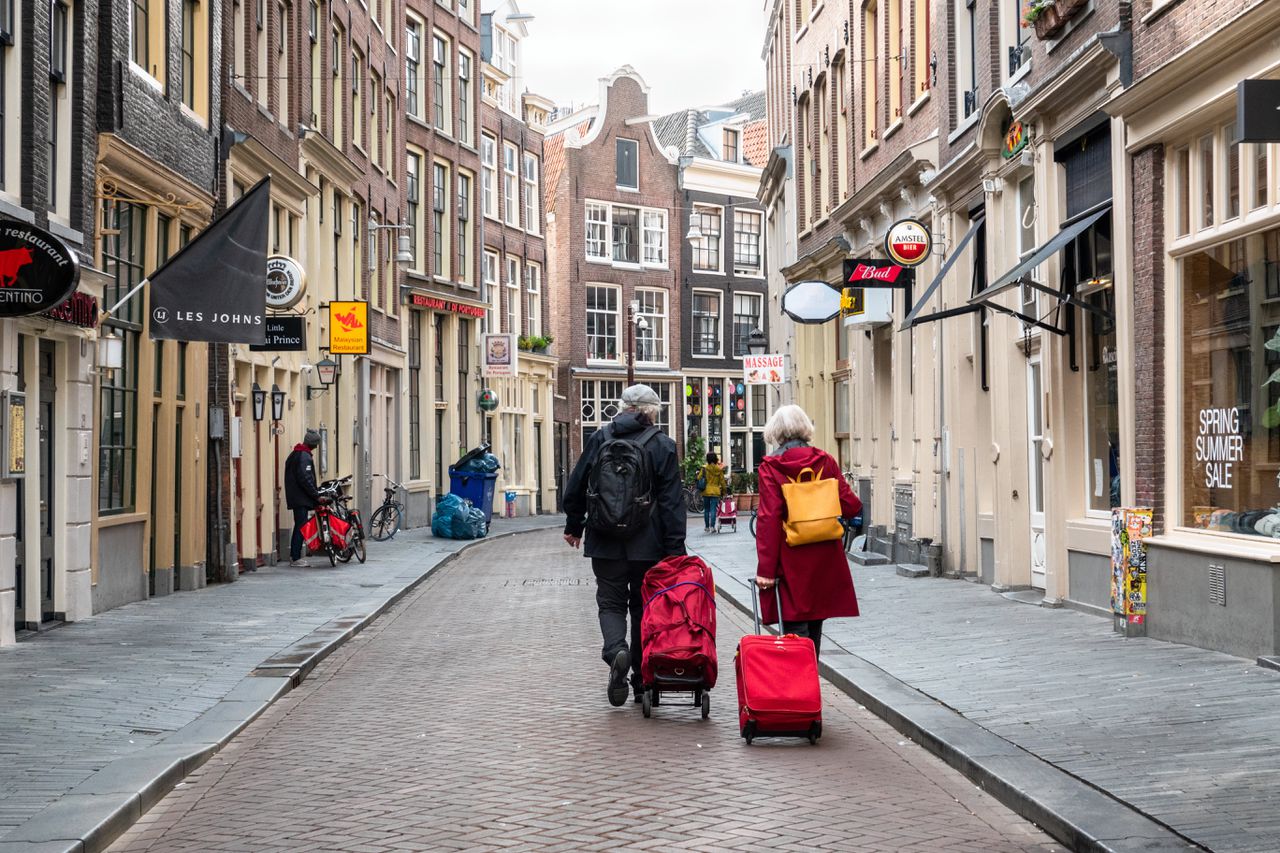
pixel 37 270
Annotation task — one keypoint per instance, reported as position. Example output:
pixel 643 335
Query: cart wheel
pixel 706 705
pixel 646 704
pixel 657 696
pixel 697 697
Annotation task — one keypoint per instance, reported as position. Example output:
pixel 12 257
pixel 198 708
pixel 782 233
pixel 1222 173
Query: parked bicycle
pixel 339 505
pixel 692 499
pixel 386 519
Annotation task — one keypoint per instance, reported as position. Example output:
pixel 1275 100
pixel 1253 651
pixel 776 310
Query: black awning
pixel 1014 276
pixel 914 319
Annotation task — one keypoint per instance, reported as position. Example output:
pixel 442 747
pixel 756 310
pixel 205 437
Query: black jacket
pixel 664 534
pixel 300 490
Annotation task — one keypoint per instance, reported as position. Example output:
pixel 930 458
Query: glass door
pixel 1035 470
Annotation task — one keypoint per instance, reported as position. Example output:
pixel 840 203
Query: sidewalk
pixel 1180 734
pixel 153 688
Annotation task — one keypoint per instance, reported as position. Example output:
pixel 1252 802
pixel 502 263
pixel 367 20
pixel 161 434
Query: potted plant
pixel 743 484
pixel 695 456
pixel 523 343
pixel 1044 16
pixel 541 343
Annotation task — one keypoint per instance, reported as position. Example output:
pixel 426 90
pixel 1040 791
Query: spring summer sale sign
pixel 349 328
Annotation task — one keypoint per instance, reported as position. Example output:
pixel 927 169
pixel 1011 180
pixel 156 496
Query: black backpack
pixel 620 487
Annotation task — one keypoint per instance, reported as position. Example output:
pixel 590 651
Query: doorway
pixel 1035 469
pixel 48 359
pixel 177 493
pixel 155 465
pixel 537 468
pixel 561 459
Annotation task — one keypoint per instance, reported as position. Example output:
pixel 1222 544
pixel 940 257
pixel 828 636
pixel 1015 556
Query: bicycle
pixel 692 499
pixel 386 519
pixel 340 505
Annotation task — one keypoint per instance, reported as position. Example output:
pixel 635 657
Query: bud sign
pixel 908 242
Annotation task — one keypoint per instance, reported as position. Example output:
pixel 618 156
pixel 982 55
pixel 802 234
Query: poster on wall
pixel 1130 528
pixel 498 355
pixel 768 369
pixel 15 434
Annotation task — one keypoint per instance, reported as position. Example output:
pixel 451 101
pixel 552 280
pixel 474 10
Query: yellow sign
pixel 853 301
pixel 349 328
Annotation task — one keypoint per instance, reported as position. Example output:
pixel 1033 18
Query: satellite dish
pixel 811 302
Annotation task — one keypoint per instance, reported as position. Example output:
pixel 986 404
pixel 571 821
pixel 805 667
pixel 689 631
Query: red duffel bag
pixel 678 628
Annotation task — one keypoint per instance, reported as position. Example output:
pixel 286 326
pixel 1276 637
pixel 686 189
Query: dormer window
pixel 732 150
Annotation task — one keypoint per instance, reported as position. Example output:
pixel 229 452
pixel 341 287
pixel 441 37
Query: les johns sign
pixel 37 270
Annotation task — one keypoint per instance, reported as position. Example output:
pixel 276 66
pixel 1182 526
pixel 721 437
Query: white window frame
pixel 511 316
pixel 489 175
pixel 415 204
pixel 635 143
pixel 510 184
pixel 413 28
pixel 693 324
pixel 758 298
pixel 466 96
pixel 653 238
pixel 442 112
pixel 617 325
pixel 530 172
pixel 605 241
pixel 700 210
pixel 654 314
pixel 490 271
pixel 758 271
pixel 533 296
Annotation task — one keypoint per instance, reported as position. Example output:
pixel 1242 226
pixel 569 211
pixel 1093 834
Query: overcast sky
pixel 690 52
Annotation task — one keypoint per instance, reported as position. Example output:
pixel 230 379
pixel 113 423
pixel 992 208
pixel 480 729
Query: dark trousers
pixel 812 630
pixel 300 517
pixel 709 510
pixel 617 595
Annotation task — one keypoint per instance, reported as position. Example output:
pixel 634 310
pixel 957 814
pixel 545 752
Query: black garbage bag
pixel 486 463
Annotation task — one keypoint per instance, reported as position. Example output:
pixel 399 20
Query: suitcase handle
pixel 755 604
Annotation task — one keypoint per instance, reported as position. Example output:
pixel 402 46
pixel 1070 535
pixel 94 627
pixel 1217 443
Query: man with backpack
pixel 625 493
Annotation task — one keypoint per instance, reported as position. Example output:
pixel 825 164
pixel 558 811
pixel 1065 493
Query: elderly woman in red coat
pixel 814 580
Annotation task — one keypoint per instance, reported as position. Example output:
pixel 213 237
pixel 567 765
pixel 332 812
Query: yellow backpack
pixel 813 509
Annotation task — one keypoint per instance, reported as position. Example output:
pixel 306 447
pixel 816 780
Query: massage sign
pixel 37 270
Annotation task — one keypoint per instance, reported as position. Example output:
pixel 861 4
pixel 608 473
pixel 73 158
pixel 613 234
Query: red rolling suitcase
pixel 779 694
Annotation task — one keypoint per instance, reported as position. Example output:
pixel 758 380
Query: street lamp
pixel 110 351
pixel 259 402
pixel 404 251
pixel 636 323
pixel 757 343
pixel 277 403
pixel 695 234
pixel 327 371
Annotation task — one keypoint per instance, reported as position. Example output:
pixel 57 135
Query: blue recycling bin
pixel 476 487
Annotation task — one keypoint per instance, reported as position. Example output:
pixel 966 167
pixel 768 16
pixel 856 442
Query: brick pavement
pixel 1182 734
pixel 431 731
pixel 92 692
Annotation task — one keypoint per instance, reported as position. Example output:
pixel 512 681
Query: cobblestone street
pixel 430 730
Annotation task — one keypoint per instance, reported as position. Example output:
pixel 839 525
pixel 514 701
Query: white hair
pixel 646 409
pixel 788 423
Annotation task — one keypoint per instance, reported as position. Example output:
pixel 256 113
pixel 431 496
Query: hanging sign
pixel 1258 110
pixel 422 300
pixel 811 302
pixel 498 353
pixel 284 334
pixel 37 270
pixel 861 307
pixel 770 369
pixel 876 273
pixel 1014 140
pixel 349 328
pixel 908 242
pixel 286 282
pixel 487 400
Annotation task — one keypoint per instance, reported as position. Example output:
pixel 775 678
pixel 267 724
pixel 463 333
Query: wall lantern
pixel 110 351
pixel 277 403
pixel 327 371
pixel 757 343
pixel 259 402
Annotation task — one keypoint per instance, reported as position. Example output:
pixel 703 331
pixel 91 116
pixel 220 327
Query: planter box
pixel 1050 23
pixel 747 502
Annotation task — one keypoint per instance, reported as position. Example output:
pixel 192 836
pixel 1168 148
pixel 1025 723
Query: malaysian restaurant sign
pixel 349 328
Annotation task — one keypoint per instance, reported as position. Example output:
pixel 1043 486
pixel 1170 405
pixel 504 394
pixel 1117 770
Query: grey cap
pixel 311 439
pixel 640 395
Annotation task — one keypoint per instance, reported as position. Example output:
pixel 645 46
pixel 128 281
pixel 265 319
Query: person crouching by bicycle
pixel 300 492
pixel 711 483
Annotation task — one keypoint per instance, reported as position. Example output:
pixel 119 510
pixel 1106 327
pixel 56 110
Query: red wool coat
pixel 814 579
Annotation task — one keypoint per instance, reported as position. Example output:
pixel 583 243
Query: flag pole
pixel 106 314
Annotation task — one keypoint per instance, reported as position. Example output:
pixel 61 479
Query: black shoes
pixel 619 672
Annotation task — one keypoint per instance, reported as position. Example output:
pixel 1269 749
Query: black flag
pixel 215 288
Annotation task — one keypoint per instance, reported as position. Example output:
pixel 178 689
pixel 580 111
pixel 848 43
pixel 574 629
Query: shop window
pixel 1182 177
pixel 464 369
pixel 601 402
pixel 1206 182
pixel 123 252
pixel 715 416
pixel 693 408
pixel 1230 407
pixel 1231 143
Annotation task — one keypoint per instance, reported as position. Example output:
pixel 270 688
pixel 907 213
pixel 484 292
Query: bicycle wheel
pixel 753 523
pixel 357 536
pixel 384 523
pixel 692 500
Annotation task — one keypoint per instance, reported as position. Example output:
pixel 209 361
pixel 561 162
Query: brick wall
pixel 1179 24
pixel 1148 333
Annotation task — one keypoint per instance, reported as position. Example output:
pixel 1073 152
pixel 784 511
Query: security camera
pixel 305 368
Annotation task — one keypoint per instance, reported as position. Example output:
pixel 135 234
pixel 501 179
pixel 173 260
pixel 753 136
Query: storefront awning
pixel 915 318
pixel 1023 270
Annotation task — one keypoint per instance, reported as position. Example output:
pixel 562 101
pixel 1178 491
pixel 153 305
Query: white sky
pixel 690 52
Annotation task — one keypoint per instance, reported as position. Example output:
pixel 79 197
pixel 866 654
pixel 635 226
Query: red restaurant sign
pixel 79 309
pixel 875 272
pixel 421 300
